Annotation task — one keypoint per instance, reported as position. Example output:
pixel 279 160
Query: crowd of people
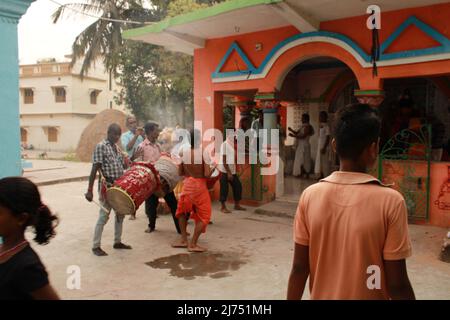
pixel 118 151
pixel 336 238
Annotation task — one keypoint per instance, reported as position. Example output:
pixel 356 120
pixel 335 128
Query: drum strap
pixel 104 185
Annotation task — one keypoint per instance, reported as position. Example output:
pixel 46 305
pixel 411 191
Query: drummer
pixel 150 151
pixel 110 162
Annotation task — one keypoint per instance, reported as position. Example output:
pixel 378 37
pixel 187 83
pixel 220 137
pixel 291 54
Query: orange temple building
pixel 293 57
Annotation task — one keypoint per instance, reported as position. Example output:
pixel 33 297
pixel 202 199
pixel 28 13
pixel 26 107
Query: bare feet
pixel 239 208
pixel 180 244
pixel 225 210
pixel 132 217
pixel 196 248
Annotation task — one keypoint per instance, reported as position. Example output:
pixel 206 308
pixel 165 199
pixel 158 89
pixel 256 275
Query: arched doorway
pixel 315 85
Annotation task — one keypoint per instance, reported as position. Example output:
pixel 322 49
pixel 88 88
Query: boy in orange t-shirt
pixel 350 230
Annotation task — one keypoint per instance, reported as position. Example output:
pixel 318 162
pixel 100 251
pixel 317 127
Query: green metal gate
pixel 405 162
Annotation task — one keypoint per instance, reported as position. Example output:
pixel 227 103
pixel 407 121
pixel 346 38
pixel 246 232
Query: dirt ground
pixel 249 256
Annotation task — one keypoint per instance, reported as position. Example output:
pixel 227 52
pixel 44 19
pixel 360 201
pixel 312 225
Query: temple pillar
pixel 10 158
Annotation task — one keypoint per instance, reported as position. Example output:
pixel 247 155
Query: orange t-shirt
pixel 350 221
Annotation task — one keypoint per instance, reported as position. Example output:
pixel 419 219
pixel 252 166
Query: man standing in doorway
pixel 302 162
pixel 322 164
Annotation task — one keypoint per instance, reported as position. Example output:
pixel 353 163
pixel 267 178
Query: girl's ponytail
pixel 44 225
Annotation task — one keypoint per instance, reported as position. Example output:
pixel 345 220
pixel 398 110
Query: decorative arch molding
pixel 270 60
pixel 284 64
pixel 441 52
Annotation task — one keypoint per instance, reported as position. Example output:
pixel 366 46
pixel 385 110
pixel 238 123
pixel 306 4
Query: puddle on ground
pixel 208 264
pixel 262 239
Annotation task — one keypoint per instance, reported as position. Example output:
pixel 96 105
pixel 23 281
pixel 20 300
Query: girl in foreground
pixel 22 274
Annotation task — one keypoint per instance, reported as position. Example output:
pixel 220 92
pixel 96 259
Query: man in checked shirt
pixel 109 160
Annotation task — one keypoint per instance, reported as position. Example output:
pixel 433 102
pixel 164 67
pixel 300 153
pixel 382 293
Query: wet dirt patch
pixel 262 239
pixel 215 265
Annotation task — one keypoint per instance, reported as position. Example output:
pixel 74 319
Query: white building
pixel 56 105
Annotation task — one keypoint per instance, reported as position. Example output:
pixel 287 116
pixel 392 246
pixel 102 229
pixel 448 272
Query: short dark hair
pixel 150 127
pixel 323 114
pixel 305 116
pixel 355 128
pixel 114 128
pixel 245 122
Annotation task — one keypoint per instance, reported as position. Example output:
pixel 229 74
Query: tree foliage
pixel 157 84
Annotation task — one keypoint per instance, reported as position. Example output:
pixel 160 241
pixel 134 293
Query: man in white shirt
pixel 227 166
pixel 322 165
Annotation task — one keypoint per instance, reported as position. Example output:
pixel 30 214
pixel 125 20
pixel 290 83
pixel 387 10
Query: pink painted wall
pixel 440 203
pixel 208 96
pixel 439 206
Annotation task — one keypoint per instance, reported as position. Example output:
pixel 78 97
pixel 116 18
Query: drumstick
pixel 100 206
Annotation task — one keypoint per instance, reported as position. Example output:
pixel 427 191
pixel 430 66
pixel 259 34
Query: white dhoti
pixel 322 164
pixel 302 157
pixel 279 191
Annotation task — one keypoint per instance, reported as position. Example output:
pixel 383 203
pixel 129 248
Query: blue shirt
pixel 126 138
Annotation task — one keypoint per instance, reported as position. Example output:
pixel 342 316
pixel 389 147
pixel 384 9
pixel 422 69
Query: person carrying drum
pixel 194 199
pixel 150 151
pixel 109 160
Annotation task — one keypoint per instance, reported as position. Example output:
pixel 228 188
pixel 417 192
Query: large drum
pixel 133 188
pixel 168 173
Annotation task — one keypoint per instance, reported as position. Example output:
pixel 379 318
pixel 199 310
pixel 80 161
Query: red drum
pixel 133 188
pixel 211 181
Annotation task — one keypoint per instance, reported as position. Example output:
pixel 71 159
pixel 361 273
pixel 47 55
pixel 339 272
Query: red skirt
pixel 195 200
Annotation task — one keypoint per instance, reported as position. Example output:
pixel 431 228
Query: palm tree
pixel 170 88
pixel 103 38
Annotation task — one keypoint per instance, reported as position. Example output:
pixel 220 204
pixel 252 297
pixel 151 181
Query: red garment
pixel 195 199
pixel 103 189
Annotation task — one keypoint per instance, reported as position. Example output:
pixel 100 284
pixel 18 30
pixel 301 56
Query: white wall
pixel 81 100
pixel 70 127
pixel 44 98
pixel 72 116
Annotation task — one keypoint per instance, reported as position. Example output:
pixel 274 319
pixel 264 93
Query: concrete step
pixel 62 180
pixel 284 209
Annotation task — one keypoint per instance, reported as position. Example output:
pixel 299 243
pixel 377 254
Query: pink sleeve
pixel 301 230
pixel 397 245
